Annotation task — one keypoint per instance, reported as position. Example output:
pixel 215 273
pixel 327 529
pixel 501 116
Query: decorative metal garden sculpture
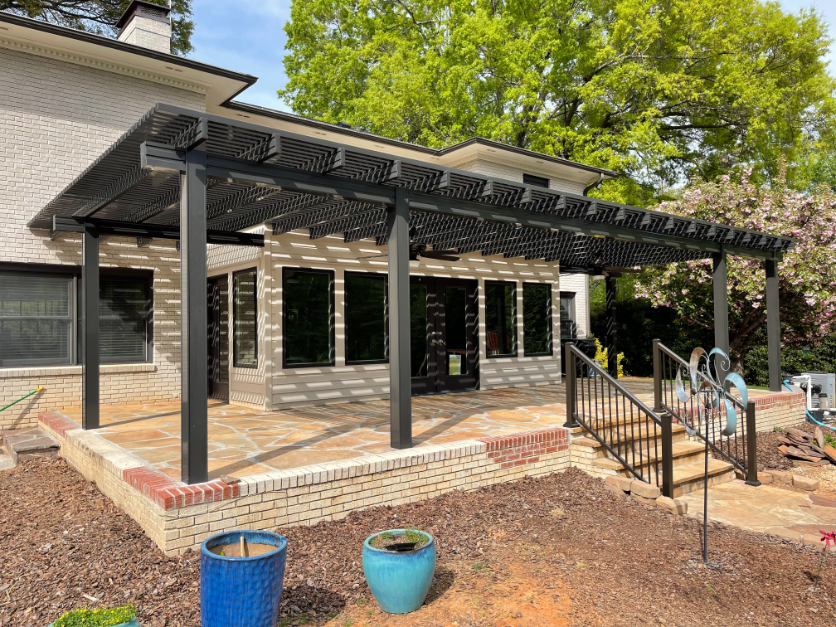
pixel 710 388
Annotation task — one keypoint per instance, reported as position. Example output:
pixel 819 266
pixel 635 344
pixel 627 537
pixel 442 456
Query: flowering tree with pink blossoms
pixel 807 275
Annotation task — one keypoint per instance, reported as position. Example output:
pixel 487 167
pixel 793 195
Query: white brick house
pixel 66 96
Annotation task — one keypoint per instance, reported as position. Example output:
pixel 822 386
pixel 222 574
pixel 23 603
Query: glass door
pixel 444 353
pixel 218 336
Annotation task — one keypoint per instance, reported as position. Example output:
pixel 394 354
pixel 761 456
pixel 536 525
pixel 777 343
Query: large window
pixel 124 318
pixel 308 297
pixel 568 317
pixel 36 319
pixel 40 316
pixel 244 319
pixel 365 318
pixel 501 318
pixel 537 318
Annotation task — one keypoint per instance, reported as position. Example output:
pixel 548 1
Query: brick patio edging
pixel 179 517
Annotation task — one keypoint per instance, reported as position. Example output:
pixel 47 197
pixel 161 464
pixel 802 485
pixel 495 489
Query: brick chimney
pixel 146 24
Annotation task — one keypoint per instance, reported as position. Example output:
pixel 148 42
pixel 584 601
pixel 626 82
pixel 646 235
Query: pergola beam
pixel 151 231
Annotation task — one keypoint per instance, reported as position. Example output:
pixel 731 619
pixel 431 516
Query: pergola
pixel 203 179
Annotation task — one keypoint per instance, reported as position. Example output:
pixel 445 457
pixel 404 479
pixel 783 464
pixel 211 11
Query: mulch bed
pixel 769 457
pixel 507 554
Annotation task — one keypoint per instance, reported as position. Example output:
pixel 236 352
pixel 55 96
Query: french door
pixel 444 348
pixel 217 293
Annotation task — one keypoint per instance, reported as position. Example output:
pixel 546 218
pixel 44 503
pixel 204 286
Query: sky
pixel 248 36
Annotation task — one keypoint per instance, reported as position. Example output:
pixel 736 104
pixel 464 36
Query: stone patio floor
pixel 766 509
pixel 244 441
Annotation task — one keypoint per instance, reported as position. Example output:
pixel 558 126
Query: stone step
pixel 691 477
pixel 27 443
pixel 678 434
pixel 685 452
pixel 620 421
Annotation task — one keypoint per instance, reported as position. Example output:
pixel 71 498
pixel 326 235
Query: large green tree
pixel 660 90
pixel 100 16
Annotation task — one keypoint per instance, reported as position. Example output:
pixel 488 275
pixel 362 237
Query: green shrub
pixel 97 618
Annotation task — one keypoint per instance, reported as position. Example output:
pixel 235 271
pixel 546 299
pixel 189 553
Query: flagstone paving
pixel 766 509
pixel 245 441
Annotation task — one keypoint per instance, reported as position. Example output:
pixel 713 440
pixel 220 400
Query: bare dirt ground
pixel 560 550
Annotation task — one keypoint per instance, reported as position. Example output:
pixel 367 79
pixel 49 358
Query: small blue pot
pixel 241 591
pixel 399 581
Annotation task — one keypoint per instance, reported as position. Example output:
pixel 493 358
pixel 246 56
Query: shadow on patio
pixel 245 441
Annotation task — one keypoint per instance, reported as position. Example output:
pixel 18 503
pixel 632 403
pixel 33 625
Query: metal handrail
pixel 612 432
pixel 740 452
pixel 599 371
pixel 736 401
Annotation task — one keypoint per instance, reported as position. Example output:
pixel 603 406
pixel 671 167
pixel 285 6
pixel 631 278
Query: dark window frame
pixel 516 353
pixel 385 276
pixel 232 347
pixel 536 181
pixel 573 296
pixel 550 352
pixel 333 329
pixel 74 271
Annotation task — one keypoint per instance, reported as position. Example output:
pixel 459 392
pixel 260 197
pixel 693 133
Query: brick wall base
pixel 179 517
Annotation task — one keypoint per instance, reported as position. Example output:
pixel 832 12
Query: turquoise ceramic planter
pixel 399 581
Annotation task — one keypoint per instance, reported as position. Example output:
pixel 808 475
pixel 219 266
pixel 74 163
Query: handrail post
pixel 571 387
pixel 667 454
pixel 751 445
pixel 657 377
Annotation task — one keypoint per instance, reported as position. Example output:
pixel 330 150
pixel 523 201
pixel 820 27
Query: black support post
pixel 751 445
pixel 400 381
pixel 721 304
pixel 193 320
pixel 612 333
pixel 667 454
pixel 571 387
pixel 657 377
pixel 773 325
pixel 89 327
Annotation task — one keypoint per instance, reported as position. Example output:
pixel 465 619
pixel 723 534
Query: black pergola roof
pixel 257 174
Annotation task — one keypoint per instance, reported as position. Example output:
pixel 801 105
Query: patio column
pixel 193 320
pixel 400 380
pixel 89 327
pixel 612 333
pixel 773 325
pixel 721 302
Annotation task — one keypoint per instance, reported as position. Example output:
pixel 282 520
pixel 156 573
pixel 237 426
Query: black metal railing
pixel 738 448
pixel 628 429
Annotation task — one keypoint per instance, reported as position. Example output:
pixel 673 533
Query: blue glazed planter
pixel 399 581
pixel 241 591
